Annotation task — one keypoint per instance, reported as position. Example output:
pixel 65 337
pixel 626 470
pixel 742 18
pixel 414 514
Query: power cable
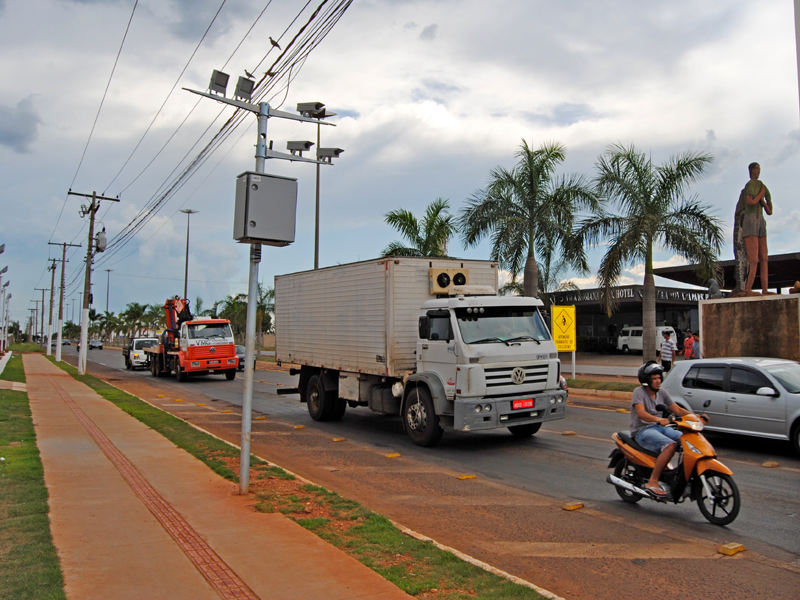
pixel 97 116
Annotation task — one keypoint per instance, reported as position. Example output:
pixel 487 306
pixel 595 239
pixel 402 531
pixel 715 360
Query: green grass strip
pixel 25 347
pixel 29 567
pixel 372 539
pixel 590 384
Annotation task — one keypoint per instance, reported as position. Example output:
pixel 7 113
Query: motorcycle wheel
pixel 624 471
pixel 722 507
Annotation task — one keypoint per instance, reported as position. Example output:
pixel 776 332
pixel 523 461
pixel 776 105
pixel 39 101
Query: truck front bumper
pixel 475 414
pixel 213 364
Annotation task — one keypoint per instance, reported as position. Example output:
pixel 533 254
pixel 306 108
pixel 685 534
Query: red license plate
pixel 213 362
pixel 527 403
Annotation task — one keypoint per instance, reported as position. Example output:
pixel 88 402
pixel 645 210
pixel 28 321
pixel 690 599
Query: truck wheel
pixel 321 404
pixel 525 430
pixel 180 374
pixel 153 368
pixel 421 421
pixel 128 364
pixel 339 406
pixel 230 374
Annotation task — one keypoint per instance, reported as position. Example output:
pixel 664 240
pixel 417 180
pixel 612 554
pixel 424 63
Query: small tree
pixel 426 237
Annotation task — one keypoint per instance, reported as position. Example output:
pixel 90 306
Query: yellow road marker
pixel 731 549
pixel 201 404
pixel 299 426
pixel 568 433
pixel 261 418
pixel 572 505
pixel 622 410
pixel 227 411
pixel 177 400
pixel 770 464
pixel 339 439
pixel 393 455
pixel 160 396
pixel 467 476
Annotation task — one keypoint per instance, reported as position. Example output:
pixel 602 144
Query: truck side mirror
pixel 424 327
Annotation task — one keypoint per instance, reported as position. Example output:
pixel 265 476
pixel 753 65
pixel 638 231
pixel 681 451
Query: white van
pixel 630 338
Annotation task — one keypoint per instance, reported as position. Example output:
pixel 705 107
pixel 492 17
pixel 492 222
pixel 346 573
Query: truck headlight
pixel 195 363
pixel 487 408
pixel 135 355
pixel 478 408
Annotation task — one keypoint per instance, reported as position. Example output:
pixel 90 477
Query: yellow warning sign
pixel 564 328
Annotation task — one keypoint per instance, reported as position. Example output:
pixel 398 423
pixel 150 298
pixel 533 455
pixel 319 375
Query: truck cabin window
pixel 141 344
pixel 439 323
pixel 506 324
pixel 204 331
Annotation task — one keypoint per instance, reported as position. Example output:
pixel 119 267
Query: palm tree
pixel 134 316
pixel 653 211
pixel 551 272
pixel 427 237
pixel 154 317
pixel 234 308
pixel 266 302
pixel 528 208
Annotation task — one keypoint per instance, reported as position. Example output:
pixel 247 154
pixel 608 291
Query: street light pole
pixel 188 212
pixel 51 268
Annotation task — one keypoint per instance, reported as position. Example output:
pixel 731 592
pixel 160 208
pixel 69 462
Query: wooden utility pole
pixel 91 210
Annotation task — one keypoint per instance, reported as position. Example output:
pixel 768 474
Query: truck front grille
pixel 499 381
pixel 196 352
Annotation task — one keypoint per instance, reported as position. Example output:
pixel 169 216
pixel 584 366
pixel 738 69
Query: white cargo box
pixel 363 317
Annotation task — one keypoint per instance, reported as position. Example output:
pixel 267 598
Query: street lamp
pixel 108 283
pixel 189 212
pixel 316 110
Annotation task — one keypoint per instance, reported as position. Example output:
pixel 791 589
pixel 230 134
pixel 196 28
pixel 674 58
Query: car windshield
pixel 204 331
pixel 788 374
pixel 139 344
pixel 240 350
pixel 501 324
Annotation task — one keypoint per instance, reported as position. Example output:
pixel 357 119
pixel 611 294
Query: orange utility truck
pixel 192 345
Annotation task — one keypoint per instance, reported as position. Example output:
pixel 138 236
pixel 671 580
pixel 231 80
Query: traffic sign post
pixel 564 335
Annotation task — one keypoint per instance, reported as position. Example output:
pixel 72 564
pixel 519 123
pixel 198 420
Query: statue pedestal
pixel 764 326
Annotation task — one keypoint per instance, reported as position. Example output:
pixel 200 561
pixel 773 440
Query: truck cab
pixel 487 362
pixel 206 346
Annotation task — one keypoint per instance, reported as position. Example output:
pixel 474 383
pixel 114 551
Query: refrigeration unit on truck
pixel 427 339
pixel 192 345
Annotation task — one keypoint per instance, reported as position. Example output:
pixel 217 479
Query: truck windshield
pixel 501 324
pixel 204 331
pixel 140 344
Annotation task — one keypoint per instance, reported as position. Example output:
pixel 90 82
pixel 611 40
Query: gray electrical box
pixel 266 207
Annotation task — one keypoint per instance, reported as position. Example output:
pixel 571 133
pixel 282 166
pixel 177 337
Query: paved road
pixel 552 465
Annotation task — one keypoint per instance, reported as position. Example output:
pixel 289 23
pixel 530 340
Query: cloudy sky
pixel 430 95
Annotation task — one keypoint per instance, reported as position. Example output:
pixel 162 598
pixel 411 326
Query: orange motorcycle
pixel 694 472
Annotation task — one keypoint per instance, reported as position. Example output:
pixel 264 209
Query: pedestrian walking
pixel 688 342
pixel 668 351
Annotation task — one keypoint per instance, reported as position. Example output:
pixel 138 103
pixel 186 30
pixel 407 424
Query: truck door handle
pixel 732 399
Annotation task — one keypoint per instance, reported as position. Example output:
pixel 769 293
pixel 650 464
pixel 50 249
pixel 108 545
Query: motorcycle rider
pixel 648 428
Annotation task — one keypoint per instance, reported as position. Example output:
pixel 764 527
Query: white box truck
pixel 427 339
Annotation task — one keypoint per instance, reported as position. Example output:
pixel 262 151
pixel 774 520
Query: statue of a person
pixel 757 201
pixel 713 289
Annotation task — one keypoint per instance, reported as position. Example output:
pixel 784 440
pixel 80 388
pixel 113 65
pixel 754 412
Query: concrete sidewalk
pixel 134 516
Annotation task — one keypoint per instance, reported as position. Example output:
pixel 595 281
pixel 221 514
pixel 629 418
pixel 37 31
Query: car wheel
pixel 796 437
pixel 128 364
pixel 626 350
pixel 422 423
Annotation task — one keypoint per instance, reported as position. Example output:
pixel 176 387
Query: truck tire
pixel 153 366
pixel 526 430
pixel 339 407
pixel 180 374
pixel 419 418
pixel 230 374
pixel 626 350
pixel 128 364
pixel 321 404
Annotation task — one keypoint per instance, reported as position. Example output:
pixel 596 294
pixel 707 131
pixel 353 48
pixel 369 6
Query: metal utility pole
pixel 33 318
pixel 188 212
pixel 87 286
pixel 5 326
pixel 52 269
pixel 61 297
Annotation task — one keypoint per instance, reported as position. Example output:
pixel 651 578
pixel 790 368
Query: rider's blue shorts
pixel 656 437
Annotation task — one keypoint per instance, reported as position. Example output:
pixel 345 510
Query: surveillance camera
pixel 329 152
pixel 301 146
pixel 306 108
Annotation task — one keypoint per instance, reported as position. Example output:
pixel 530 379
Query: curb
pixel 602 393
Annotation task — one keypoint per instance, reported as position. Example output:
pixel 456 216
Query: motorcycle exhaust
pixel 624 484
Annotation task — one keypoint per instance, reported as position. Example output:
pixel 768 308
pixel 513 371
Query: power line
pixel 97 116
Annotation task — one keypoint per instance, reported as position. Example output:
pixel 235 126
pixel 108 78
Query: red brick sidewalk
pixel 133 516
